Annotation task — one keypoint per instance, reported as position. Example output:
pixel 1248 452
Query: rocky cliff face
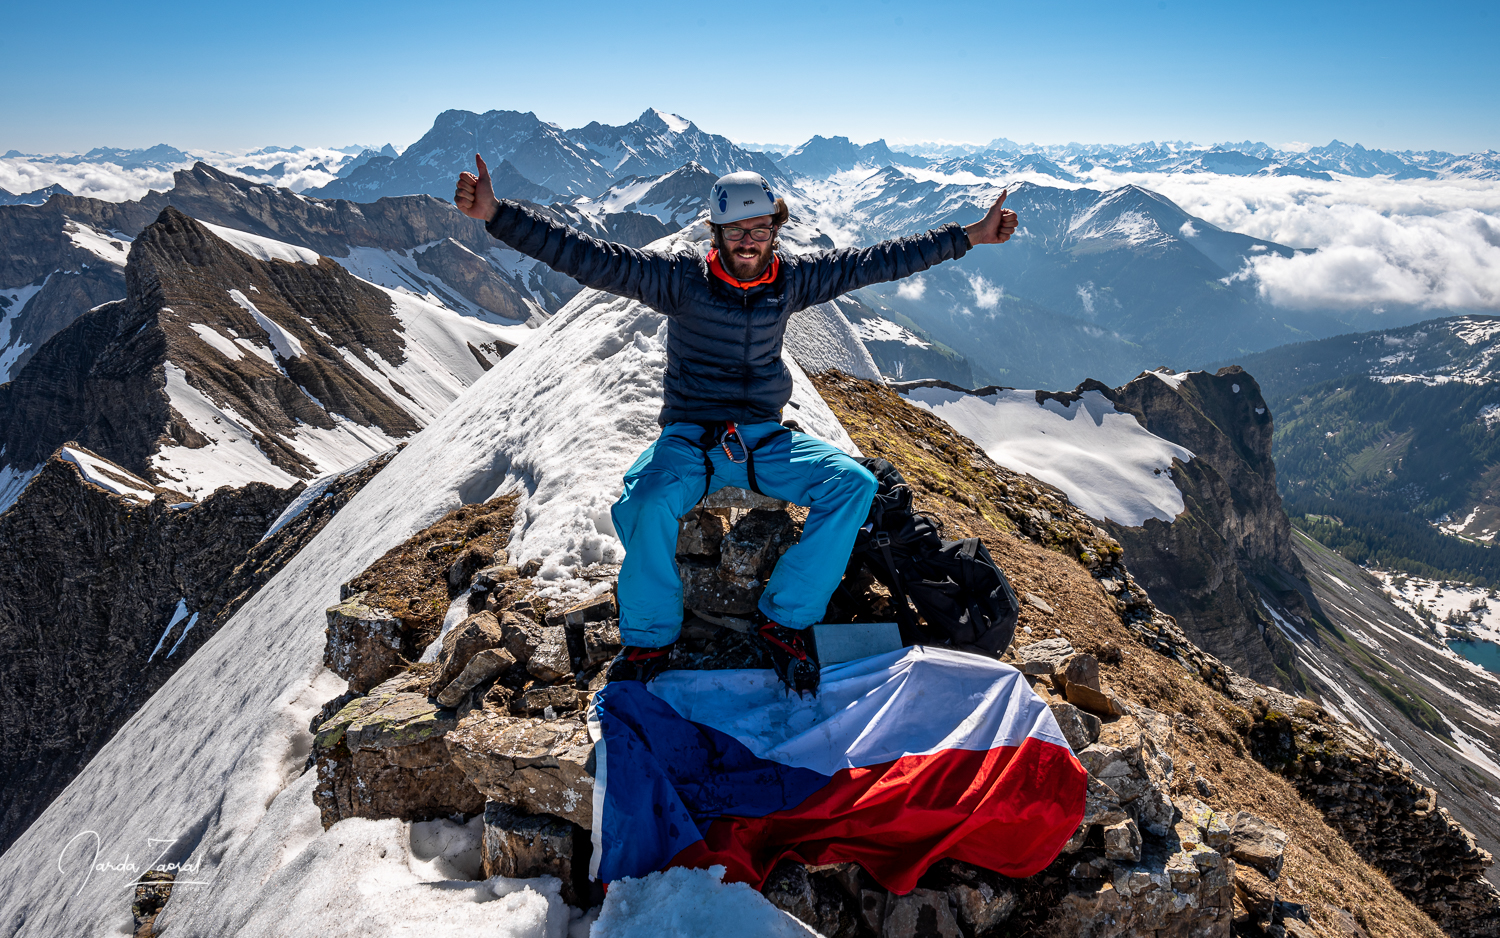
pixel 104 595
pixel 221 366
pixel 1288 612
pixel 89 582
pixel 1208 566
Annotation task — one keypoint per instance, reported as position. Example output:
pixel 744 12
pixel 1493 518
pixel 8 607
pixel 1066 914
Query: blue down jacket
pixel 724 343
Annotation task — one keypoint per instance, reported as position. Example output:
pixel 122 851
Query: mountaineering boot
pixel 638 663
pixel 792 657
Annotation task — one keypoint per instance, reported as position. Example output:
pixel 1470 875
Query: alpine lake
pixel 1483 653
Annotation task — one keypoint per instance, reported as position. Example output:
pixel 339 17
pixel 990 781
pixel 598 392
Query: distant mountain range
pixel 1246 158
pixel 543 159
pixel 1100 283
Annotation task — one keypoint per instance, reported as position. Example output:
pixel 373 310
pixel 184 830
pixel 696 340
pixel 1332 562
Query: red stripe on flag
pixel 1008 809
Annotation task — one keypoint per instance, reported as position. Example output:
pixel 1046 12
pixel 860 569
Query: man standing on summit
pixel 725 388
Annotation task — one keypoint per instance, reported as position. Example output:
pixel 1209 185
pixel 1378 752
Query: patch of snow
pixel 17 297
pixel 883 330
pixel 1174 380
pixel 820 338
pixel 1476 711
pixel 458 610
pixel 1458 527
pixel 108 476
pixel 1287 629
pixel 674 123
pixel 1431 381
pixel 266 249
pixel 1441 601
pixel 110 248
pixel 398 271
pixel 13 482
pixel 314 490
pixel 1352 705
pixel 437 368
pixel 686 903
pixel 1109 465
pixel 1474 331
pixel 1129 227
pixel 286 345
pixel 192 620
pixel 1472 749
pixel 178 615
pixel 218 341
pixel 1489 415
pixel 231 456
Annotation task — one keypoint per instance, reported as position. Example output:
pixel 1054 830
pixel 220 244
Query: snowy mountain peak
pixel 237 358
pixel 672 122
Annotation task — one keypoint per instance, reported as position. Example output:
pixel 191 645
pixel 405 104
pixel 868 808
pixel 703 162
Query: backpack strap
pixel 903 608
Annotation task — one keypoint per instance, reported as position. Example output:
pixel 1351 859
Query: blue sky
pixel 1397 76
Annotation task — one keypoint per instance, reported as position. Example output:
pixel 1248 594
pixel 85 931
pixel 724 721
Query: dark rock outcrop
pixel 88 581
pixel 107 572
pixel 1374 798
pixel 1208 565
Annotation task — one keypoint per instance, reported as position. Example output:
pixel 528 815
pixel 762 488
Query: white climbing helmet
pixel 739 196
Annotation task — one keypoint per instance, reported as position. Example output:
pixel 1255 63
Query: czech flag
pixel 901 760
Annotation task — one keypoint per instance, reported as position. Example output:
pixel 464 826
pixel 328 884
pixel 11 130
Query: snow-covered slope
pixel 1108 464
pixel 209 771
pixel 821 338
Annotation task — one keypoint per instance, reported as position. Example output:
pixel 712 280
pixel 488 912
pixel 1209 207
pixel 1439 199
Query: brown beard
pixel 732 264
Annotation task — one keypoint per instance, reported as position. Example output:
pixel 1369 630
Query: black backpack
pixel 964 598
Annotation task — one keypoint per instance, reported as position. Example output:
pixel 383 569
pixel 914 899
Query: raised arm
pixel 834 273
pixel 603 265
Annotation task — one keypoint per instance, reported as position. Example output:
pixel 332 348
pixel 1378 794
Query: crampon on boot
pixel 639 663
pixel 792 657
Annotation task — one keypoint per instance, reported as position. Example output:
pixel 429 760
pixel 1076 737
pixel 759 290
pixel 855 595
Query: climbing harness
pixel 718 434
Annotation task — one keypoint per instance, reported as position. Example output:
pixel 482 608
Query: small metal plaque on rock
pixel 845 641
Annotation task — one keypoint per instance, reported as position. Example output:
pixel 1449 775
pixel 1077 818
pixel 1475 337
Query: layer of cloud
pixel 113 183
pixel 1379 243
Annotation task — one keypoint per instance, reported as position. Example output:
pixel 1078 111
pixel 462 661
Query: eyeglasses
pixel 759 234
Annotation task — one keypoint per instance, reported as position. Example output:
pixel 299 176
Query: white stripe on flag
pixel 871 711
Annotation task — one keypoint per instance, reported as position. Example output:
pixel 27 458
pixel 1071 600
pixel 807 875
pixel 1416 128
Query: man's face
pixel 746 258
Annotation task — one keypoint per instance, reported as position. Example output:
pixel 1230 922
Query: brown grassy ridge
pixel 411 579
pixel 954 480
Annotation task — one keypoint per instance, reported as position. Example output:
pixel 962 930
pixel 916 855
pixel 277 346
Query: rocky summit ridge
pixel 1194 823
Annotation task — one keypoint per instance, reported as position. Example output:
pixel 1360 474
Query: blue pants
pixel 667 481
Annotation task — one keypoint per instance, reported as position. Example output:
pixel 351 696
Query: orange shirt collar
pixel 767 275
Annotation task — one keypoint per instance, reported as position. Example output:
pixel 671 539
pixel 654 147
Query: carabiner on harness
pixel 724 435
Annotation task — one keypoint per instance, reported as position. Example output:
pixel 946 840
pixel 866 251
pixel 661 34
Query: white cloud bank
pixel 113 183
pixel 1420 243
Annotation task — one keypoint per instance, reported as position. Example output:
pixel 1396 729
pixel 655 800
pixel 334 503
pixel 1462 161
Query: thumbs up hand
pixel 474 195
pixel 997 225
